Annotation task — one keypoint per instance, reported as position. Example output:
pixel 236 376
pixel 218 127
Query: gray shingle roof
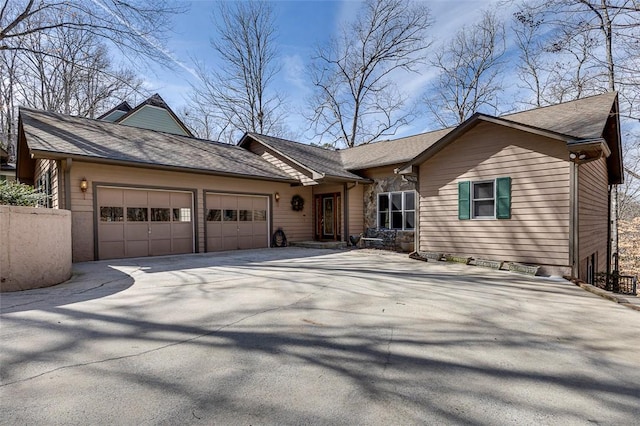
pixel 61 135
pixel 583 118
pixel 572 122
pixel 320 160
pixel 389 152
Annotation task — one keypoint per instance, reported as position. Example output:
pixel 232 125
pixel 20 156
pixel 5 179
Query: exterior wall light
pixel 276 196
pixel 577 155
pixel 83 185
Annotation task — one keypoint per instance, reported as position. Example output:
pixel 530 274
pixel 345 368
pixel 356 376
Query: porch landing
pixel 320 244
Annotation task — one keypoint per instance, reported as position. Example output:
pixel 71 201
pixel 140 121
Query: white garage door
pixel 236 221
pixel 140 222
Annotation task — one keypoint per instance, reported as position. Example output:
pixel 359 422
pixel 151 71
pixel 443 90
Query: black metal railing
pixel 625 284
pixel 622 284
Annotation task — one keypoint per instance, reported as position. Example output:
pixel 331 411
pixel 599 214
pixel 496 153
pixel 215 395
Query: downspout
pixel 416 232
pixel 67 183
pixel 573 219
pixel 609 238
pixel 345 232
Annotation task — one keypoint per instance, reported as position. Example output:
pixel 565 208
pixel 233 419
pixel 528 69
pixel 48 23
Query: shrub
pixel 18 194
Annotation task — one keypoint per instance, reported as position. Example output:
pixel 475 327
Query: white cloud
pixel 295 72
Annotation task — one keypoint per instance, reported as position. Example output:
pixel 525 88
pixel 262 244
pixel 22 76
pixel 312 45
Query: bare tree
pixel 596 38
pixel 200 119
pixel 573 74
pixel 8 120
pixel 79 79
pixel 531 68
pixel 469 68
pixel 356 99
pixel 607 34
pixel 239 96
pixel 137 28
pixel 558 65
pixel 31 33
pixel 629 191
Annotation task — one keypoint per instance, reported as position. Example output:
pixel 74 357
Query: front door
pixel 327 210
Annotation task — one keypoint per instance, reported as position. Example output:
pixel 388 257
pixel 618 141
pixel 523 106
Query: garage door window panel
pixel 137 214
pixel 182 215
pixel 111 214
pixel 260 215
pixel 230 215
pixel 160 214
pixel 214 215
pixel 245 215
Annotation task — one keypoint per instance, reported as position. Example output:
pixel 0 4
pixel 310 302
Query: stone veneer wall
pixel 404 239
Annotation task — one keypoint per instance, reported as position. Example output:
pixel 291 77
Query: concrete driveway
pixel 302 336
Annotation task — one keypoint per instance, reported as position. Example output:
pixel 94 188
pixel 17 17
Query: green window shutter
pixel 464 200
pixel 503 195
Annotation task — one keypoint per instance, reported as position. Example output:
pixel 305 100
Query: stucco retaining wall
pixel 35 247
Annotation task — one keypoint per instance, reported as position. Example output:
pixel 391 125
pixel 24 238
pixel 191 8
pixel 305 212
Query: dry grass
pixel 629 246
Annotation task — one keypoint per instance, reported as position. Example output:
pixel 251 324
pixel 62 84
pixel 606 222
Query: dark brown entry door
pixel 327 207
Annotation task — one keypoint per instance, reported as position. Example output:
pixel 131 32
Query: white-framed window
pixel 483 199
pixel 397 210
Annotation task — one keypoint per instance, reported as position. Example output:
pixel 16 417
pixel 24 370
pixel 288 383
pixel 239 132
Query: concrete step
pixel 320 244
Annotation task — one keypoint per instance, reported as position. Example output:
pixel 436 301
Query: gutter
pixel 49 155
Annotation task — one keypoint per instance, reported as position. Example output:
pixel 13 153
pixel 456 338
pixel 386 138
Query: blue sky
pixel 301 25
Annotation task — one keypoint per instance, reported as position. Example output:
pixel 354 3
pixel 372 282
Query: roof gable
pixel 320 162
pixel 116 112
pixel 154 114
pixel 572 122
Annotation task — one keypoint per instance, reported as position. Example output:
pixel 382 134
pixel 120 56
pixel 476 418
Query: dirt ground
pixel 629 246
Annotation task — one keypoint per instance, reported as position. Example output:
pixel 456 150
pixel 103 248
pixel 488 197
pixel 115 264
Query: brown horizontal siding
pixel 379 172
pixel 44 165
pixel 592 214
pixel 282 163
pixel 296 225
pixel 356 210
pixel 538 231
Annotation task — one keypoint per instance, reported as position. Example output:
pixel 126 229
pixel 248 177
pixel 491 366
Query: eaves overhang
pixel 319 177
pixel 590 145
pixel 34 153
pixel 470 123
pixel 342 179
pixel 315 175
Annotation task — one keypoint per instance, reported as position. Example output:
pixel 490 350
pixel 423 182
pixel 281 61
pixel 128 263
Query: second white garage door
pixel 236 221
